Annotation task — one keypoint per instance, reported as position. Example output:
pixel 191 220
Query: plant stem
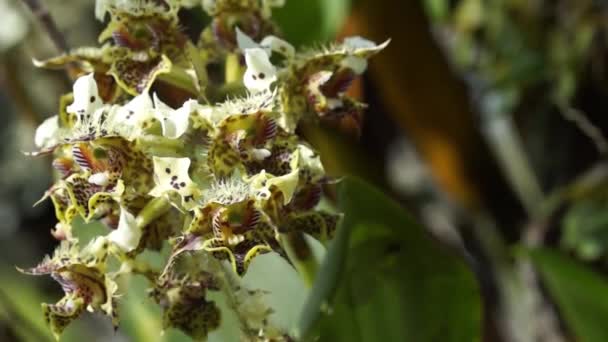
pixel 153 209
pixel 229 288
pixel 508 148
pixel 585 125
pixel 159 144
pixel 525 312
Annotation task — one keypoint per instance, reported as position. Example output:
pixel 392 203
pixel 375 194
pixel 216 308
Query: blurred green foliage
pixel 312 21
pixel 580 294
pixel 585 228
pixel 385 279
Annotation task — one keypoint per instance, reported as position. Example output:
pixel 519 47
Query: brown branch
pixel 44 17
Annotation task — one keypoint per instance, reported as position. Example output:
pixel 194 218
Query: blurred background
pixel 486 120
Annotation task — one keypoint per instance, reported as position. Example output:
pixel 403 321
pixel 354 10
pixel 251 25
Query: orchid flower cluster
pixel 169 140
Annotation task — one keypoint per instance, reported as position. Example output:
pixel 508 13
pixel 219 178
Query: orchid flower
pixel 159 151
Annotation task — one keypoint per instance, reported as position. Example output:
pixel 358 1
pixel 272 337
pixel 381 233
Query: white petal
pixel 363 47
pixel 244 41
pixel 127 235
pixel 355 63
pixel 278 45
pixel 86 97
pixel 260 72
pixel 47 132
pixel 171 175
pixel 174 122
pixel 136 111
pixel 359 43
pixel 160 105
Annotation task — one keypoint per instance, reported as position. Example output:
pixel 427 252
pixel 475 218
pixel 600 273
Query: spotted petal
pixel 171 176
pixel 309 160
pixel 182 291
pixel 260 73
pixel 262 184
pixel 137 111
pixel 89 199
pixel 81 275
pixel 59 315
pixel 135 76
pixel 86 97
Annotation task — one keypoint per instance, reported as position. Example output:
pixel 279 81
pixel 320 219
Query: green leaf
pixel 580 293
pixel 385 279
pixel 311 21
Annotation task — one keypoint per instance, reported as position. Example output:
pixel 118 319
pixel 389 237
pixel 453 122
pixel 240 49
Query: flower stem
pixel 153 209
pixel 161 145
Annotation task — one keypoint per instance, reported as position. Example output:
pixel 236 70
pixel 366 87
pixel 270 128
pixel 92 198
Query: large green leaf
pixel 580 293
pixel 386 279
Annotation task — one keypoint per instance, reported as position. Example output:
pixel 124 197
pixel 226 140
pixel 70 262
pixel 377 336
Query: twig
pixel 506 143
pixel 42 13
pixel 10 82
pixel 581 121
